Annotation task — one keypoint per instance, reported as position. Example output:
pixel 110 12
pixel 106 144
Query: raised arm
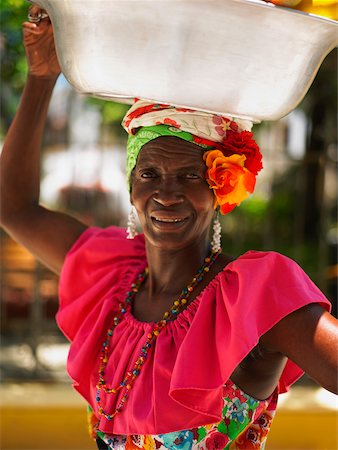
pixel 47 234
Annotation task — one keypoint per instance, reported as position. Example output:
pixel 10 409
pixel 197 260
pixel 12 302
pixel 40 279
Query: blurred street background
pixel 293 211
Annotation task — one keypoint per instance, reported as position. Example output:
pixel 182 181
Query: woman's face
pixel 170 193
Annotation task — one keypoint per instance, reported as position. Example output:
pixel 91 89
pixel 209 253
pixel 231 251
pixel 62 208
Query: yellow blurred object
pixel 324 2
pixel 52 416
pixel 324 8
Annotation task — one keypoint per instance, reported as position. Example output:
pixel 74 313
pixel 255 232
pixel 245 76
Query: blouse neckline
pixel 131 319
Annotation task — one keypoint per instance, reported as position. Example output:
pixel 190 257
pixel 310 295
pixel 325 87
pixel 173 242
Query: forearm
pixel 20 158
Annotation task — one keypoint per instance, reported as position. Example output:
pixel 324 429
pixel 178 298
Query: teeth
pixel 168 220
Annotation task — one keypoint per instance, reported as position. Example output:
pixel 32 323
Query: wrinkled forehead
pixel 169 150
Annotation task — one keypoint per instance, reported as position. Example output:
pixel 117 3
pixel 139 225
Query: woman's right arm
pixel 47 234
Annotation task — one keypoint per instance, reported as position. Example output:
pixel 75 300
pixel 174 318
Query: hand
pixel 39 44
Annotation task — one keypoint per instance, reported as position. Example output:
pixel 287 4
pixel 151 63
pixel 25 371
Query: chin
pixel 176 241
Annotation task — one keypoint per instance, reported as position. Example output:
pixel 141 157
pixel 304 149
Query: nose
pixel 167 201
pixel 168 194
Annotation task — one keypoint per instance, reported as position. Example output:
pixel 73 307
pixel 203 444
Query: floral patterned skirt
pixel 244 426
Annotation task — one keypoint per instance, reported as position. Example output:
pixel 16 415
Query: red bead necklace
pixel 177 307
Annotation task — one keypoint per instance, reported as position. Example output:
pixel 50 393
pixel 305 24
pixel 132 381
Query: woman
pixel 174 344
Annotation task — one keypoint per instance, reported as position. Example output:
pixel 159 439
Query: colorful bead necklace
pixel 177 307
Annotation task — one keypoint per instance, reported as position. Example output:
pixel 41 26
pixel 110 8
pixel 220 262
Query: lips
pixel 167 220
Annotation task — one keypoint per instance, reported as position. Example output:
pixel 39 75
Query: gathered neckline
pixel 131 319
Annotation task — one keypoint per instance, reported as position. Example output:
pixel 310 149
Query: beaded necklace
pixel 177 307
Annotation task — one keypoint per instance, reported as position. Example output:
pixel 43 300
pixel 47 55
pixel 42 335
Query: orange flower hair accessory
pixel 231 172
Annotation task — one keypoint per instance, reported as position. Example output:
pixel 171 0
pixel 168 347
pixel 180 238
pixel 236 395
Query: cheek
pixel 139 195
pixel 204 197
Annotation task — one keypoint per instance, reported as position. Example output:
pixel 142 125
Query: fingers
pixel 43 24
pixel 35 29
pixel 37 14
pixel 37 25
pixel 29 27
pixel 38 21
pixel 35 10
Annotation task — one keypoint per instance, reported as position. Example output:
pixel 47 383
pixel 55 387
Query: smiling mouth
pixel 168 220
pixel 168 223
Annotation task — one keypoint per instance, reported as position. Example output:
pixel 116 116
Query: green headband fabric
pixel 146 134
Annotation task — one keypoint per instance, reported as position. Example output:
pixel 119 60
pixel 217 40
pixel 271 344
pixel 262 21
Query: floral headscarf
pixel 232 156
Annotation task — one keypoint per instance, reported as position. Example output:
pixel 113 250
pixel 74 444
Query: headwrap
pixel 232 156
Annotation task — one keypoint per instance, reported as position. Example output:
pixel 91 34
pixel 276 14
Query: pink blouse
pixel 181 383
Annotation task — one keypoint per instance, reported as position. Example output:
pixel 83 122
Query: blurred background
pixel 293 211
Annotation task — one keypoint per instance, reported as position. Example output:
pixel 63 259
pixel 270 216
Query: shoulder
pixel 115 238
pixel 267 284
pixel 100 254
pixel 269 266
pixel 105 244
pixel 263 264
pixel 264 258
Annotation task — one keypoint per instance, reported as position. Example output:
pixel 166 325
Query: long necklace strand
pixel 131 376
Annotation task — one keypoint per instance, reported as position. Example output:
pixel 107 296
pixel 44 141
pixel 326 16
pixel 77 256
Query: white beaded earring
pixel 131 224
pixel 216 237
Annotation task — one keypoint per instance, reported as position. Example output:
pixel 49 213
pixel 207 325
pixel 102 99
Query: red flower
pixel 243 144
pixel 234 392
pixel 226 208
pixel 216 441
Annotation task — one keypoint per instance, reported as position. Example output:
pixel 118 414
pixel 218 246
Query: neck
pixel 172 270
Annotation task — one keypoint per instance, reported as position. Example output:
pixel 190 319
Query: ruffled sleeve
pixel 99 264
pixel 247 299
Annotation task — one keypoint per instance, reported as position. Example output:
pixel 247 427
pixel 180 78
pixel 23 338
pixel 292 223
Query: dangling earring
pixel 216 238
pixel 131 224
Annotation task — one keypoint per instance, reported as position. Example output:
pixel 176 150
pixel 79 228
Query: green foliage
pixel 244 227
pixel 111 116
pixel 255 208
pixel 13 62
pixel 112 113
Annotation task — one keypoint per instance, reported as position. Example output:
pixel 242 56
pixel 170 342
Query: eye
pixel 147 174
pixel 192 176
